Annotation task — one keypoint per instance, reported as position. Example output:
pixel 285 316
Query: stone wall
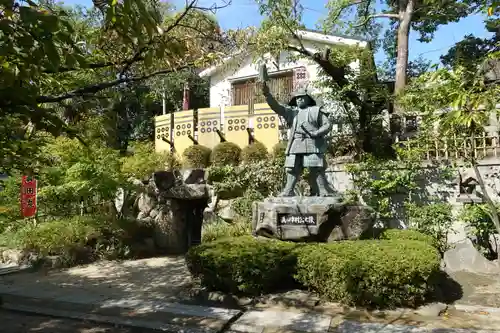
pixel 447 191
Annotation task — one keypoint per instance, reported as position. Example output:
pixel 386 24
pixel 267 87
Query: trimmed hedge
pixel 407 234
pixel 380 273
pixel 254 152
pixel 279 149
pixel 243 265
pixel 197 156
pixel 226 153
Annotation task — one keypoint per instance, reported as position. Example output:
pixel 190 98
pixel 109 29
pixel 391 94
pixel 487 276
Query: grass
pixel 221 229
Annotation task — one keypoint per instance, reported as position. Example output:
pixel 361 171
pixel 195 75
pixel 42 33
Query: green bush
pixel 243 205
pixel 145 160
pixel 226 154
pixel 254 152
pixel 380 273
pixel 434 219
pixel 197 157
pixel 10 214
pixel 406 234
pixel 265 177
pixel 53 237
pixel 481 226
pixel 75 175
pixel 67 237
pixel 221 229
pixel 279 150
pixel 243 265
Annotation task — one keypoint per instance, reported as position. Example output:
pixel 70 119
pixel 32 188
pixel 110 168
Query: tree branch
pixel 374 16
pixel 95 88
pixel 63 69
pixel 143 49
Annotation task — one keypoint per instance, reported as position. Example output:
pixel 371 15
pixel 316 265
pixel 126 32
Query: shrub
pixel 226 153
pixel 380 273
pixel 265 177
pixel 435 220
pixel 243 205
pixel 145 160
pixel 221 229
pixel 481 227
pixel 243 265
pixel 76 174
pixel 197 157
pixel 68 237
pixel 9 203
pixel 54 237
pixel 254 152
pixel 406 234
pixel 279 150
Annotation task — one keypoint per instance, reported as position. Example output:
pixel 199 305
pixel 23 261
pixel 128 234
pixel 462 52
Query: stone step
pixel 148 314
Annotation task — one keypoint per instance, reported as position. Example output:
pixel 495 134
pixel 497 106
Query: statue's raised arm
pixel 279 108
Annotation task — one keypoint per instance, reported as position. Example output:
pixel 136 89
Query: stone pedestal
pixel 320 219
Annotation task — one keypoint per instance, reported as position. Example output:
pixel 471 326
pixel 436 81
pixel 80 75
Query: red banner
pixel 28 196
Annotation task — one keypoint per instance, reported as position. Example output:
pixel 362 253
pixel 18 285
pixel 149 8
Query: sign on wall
pixel 297 219
pixel 300 78
pixel 28 196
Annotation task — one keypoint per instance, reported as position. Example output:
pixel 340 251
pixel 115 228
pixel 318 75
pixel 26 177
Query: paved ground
pixel 15 322
pixel 165 278
pixel 479 289
pixel 153 293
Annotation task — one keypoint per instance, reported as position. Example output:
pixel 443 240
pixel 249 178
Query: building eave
pixel 306 35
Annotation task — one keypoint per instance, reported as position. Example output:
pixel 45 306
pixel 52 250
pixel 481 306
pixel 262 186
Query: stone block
pixel 193 176
pixel 355 221
pixel 225 210
pixel 164 180
pixel 310 219
pixel 186 192
pixel 145 203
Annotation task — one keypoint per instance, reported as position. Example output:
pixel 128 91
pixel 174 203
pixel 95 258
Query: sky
pixel 244 13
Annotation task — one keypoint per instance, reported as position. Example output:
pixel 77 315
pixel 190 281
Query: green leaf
pixel 51 53
pixel 148 59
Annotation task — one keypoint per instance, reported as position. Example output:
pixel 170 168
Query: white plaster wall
pixel 220 81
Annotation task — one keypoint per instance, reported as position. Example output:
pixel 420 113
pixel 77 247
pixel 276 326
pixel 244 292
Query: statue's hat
pixel 300 93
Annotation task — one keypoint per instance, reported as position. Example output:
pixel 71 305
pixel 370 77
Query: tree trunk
pixel 491 205
pixel 405 15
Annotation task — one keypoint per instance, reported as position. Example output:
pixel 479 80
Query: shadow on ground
pixel 15 322
pixel 167 279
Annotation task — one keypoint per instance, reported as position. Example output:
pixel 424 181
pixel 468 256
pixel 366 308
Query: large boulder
pixel 172 202
pixel 319 219
pixel 463 256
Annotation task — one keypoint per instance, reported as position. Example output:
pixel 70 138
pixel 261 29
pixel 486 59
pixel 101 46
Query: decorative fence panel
pixel 234 122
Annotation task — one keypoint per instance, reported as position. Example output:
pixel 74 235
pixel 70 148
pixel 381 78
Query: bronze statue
pixel 309 124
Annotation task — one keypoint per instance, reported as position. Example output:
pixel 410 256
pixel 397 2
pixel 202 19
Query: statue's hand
pixel 263 75
pixel 314 134
pixel 265 89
